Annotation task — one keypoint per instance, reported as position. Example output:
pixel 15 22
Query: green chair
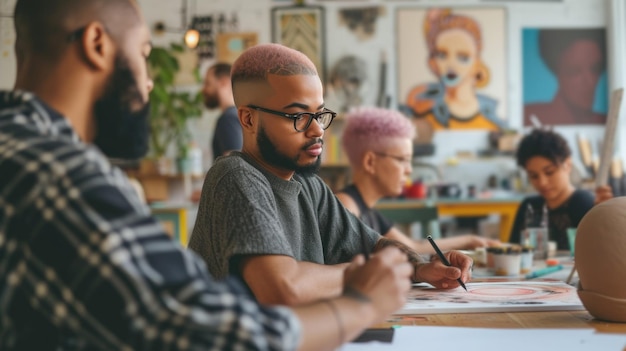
pixel 426 216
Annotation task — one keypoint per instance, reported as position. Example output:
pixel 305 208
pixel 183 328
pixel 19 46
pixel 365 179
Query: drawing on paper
pixel 494 297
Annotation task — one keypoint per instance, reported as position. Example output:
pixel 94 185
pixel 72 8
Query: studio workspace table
pixel 516 320
pixel 506 207
pixel 544 319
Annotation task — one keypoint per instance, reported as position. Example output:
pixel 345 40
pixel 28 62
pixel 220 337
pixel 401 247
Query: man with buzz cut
pixel 264 215
pixel 83 264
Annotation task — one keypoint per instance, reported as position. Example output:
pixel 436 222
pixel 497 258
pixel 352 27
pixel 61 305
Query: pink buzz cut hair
pixel 257 62
pixel 373 129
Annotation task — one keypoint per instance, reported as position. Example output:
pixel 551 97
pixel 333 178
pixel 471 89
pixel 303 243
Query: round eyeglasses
pixel 302 120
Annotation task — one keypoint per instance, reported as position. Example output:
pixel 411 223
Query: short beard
pixel 272 156
pixel 122 117
pixel 211 102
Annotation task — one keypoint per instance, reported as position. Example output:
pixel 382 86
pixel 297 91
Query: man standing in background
pixel 218 93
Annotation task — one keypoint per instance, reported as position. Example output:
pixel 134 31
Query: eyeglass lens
pixel 324 119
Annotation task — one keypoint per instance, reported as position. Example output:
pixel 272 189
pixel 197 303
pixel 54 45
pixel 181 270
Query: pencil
pixel 365 249
pixel 571 275
pixel 443 258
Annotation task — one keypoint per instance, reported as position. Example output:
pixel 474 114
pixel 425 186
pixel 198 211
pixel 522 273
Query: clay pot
pixel 601 260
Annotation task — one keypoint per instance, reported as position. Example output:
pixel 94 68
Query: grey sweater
pixel 246 210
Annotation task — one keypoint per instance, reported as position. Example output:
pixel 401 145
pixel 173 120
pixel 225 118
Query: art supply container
pixel 552 248
pixel 571 238
pixel 480 257
pixel 507 262
pixel 526 260
pixel 537 238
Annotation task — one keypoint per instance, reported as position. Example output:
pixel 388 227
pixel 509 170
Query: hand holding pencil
pixel 446 271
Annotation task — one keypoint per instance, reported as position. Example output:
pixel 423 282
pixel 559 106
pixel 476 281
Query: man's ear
pixel 97 46
pixel 246 119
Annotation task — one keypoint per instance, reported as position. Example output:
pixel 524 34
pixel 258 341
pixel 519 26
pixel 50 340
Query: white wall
pixel 254 15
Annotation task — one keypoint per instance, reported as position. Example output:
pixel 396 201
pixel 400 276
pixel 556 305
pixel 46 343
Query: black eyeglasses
pixel 402 159
pixel 302 120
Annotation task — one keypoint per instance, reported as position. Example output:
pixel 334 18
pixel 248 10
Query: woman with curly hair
pixel 546 157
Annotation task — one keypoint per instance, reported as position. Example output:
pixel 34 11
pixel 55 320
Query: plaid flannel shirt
pixel 83 265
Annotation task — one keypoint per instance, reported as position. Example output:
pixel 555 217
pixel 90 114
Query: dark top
pixel 84 266
pixel 369 216
pixel 568 215
pixel 227 136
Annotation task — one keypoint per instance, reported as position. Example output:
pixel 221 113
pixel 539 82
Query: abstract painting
pixel 565 76
pixel 493 297
pixel 301 28
pixel 451 66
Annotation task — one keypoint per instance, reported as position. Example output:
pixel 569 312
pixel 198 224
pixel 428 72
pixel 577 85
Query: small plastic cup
pixel 508 263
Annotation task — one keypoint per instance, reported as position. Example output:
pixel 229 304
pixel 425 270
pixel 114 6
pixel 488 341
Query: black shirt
pixel 369 216
pixel 228 135
pixel 568 215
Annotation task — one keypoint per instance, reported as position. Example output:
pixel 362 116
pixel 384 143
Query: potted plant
pixel 171 107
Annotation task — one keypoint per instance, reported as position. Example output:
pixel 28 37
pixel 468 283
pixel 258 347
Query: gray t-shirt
pixel 246 210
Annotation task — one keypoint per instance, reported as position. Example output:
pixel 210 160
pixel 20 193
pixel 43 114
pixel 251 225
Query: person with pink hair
pixel 379 145
pixel 266 217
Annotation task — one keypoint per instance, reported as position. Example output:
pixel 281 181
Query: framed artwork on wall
pixel 231 45
pixel 301 28
pixel 564 76
pixel 451 66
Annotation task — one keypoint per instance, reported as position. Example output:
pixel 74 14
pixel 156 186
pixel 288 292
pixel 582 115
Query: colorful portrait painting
pixel 451 66
pixel 565 79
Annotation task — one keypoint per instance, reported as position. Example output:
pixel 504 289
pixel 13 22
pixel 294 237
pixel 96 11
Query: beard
pixel 121 116
pixel 271 154
pixel 211 101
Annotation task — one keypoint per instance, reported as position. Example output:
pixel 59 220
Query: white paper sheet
pixel 491 339
pixel 494 297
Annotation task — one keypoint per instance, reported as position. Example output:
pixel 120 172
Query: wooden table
pixel 464 207
pixel 556 319
pixel 173 216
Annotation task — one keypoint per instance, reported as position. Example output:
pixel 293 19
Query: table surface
pixel 505 206
pixel 386 203
pixel 544 319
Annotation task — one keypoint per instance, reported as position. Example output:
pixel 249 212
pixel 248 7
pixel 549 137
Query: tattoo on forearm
pixel 413 256
pixel 415 259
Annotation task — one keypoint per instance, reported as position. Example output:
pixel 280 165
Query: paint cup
pixel 571 238
pixel 480 257
pixel 526 260
pixel 507 263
